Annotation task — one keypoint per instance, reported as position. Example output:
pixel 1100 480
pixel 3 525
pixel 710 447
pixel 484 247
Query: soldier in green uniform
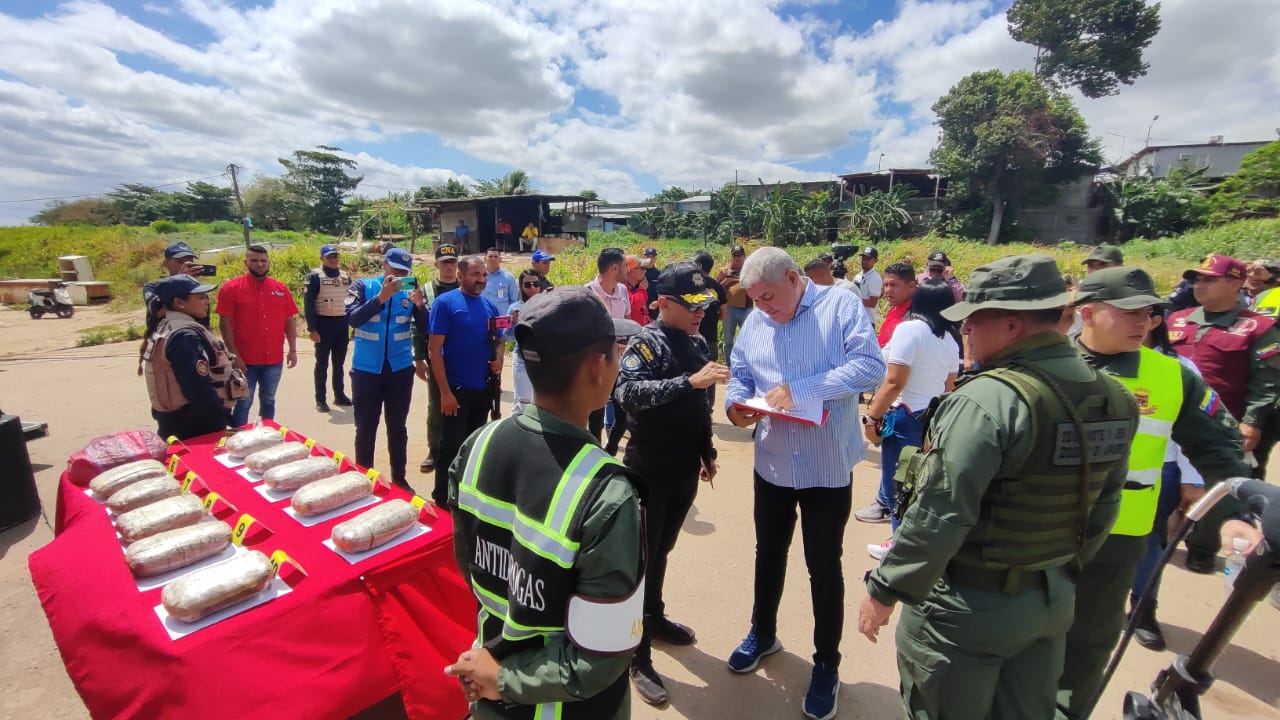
pixel 1018 485
pixel 548 531
pixel 1115 308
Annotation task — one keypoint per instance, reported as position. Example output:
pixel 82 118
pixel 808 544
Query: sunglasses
pixel 531 284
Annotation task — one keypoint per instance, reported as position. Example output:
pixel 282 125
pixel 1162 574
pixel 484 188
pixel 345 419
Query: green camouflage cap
pixel 1127 288
pixel 1106 254
pixel 1021 282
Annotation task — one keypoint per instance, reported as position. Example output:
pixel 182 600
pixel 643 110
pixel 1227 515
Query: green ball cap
pixel 1127 288
pixel 1021 282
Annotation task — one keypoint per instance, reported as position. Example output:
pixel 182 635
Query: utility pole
pixel 244 216
pixel 1147 144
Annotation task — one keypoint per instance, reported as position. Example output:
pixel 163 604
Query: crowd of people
pixel 1037 442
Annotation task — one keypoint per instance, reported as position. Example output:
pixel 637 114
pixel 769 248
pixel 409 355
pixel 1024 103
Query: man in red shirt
pixel 899 286
pixel 638 291
pixel 257 314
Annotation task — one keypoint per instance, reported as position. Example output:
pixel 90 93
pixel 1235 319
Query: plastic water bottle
pixel 1235 562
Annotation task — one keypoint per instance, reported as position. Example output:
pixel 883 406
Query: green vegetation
pixel 1252 191
pixel 1092 44
pixel 105 334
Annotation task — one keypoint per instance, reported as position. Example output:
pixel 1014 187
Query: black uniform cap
pixel 558 322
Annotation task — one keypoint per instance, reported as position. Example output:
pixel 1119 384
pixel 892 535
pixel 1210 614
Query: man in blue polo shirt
pixel 500 285
pixel 461 233
pixel 463 351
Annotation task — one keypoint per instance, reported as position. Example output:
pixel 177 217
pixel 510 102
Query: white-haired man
pixel 788 353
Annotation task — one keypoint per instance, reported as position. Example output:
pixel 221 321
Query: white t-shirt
pixel 870 285
pixel 931 359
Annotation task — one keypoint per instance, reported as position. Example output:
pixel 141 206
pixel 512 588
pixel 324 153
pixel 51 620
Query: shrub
pixel 165 227
pixel 223 227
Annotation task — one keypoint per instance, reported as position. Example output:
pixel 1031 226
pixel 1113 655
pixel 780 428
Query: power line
pixel 72 197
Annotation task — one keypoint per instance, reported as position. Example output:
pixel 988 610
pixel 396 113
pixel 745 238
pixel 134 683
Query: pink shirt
pixel 618 304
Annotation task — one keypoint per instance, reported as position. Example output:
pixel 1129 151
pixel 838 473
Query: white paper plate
pixel 249 475
pixel 366 501
pixel 178 629
pixel 227 460
pixel 151 583
pixel 417 531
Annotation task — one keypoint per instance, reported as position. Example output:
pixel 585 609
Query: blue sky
pixel 611 95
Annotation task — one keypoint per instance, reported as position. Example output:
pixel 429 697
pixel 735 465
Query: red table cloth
pixel 347 636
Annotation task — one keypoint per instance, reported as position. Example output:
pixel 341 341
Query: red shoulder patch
pixel 202 367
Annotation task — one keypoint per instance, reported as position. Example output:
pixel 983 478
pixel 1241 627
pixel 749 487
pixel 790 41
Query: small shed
pixel 481 216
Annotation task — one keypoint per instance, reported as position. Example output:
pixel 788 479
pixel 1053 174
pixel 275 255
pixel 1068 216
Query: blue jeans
pixel 733 320
pixel 907 432
pixel 1170 498
pixel 264 379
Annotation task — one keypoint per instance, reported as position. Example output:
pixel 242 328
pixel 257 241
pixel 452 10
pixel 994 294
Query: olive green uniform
pixel 607 566
pixel 976 642
pixel 1211 441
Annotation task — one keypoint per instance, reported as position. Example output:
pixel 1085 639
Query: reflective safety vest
pixel 1034 515
pixel 162 384
pixel 524 535
pixel 1158 391
pixel 387 336
pixel 331 300
pixel 1268 303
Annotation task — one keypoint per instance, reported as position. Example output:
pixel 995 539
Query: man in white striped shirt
pixel 803 343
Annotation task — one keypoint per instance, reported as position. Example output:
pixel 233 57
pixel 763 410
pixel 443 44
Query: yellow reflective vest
pixel 1158 391
pixel 1268 303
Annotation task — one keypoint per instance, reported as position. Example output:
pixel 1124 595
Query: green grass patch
pixel 106 334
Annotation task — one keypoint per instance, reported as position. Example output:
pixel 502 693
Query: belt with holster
pixel 1010 581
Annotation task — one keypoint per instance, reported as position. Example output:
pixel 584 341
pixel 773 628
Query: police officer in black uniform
pixel 664 386
pixel 323 303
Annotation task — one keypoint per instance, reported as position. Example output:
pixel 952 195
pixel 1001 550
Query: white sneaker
pixel 878 552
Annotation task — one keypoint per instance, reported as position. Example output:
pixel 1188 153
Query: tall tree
pixel 1092 44
pixel 671 194
pixel 591 195
pixel 273 204
pixel 515 182
pixel 320 178
pixel 209 202
pixel 1010 139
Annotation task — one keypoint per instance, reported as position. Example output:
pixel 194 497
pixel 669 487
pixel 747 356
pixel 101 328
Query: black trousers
pixel 386 394
pixel 435 420
pixel 595 425
pixel 191 421
pixel 331 351
pixel 671 483
pixel 824 512
pixel 473 412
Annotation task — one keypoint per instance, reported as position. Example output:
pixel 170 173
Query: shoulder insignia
pixel 630 362
pixel 1269 351
pixel 1243 326
pixel 645 351
pixel 697 280
pixel 1175 335
pixel 202 367
pixel 1209 403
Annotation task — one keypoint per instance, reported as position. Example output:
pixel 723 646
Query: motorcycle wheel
pixel 36 313
pixel 65 312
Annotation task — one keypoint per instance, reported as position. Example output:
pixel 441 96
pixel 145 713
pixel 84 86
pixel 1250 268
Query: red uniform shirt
pixel 891 320
pixel 258 311
pixel 639 304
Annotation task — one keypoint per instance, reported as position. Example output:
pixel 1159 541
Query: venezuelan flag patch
pixel 1269 351
pixel 1210 402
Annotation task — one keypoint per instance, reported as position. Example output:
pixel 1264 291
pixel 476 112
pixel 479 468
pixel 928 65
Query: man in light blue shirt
pixel 802 343
pixel 500 286
pixel 461 233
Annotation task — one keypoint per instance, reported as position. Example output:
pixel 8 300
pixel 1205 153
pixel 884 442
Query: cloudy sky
pixel 620 96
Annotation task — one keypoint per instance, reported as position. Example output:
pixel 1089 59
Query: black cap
pixel 179 250
pixel 446 252
pixel 685 283
pixel 938 257
pixel 558 322
pixel 870 252
pixel 737 250
pixel 180 286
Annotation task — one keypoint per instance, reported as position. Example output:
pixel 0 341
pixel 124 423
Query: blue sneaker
pixel 752 650
pixel 824 685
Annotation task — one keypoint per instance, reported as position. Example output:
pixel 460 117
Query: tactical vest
pixel 525 534
pixel 1034 516
pixel 394 320
pixel 162 385
pixel 1268 303
pixel 684 421
pixel 331 300
pixel 1222 355
pixel 1158 390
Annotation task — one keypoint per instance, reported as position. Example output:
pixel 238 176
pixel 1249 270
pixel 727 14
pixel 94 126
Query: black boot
pixel 1147 632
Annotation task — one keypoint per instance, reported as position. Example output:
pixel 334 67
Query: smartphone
pixel 408 283
pixel 207 270
pixel 502 322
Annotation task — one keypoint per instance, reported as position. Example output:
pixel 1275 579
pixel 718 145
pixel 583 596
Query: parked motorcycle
pixel 55 300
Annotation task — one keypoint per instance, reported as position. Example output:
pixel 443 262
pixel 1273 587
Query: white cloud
pixel 692 93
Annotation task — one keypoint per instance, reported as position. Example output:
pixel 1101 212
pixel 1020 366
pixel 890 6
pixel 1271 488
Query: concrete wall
pixel 1068 218
pixel 1222 160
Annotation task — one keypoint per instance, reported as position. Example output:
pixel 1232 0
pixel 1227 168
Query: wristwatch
pixel 868 420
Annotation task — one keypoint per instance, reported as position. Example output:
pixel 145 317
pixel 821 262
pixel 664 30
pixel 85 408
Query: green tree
pixel 1253 191
pixel 881 215
pixel 672 194
pixel 1151 208
pixel 84 211
pixel 1092 44
pixel 209 202
pixel 320 179
pixel 591 195
pixel 515 182
pixel 1011 140
pixel 273 205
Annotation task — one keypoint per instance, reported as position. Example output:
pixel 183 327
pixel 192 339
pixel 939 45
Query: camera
pixel 841 253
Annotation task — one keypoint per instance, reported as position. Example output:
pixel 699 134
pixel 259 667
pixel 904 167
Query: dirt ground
pixel 86 392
